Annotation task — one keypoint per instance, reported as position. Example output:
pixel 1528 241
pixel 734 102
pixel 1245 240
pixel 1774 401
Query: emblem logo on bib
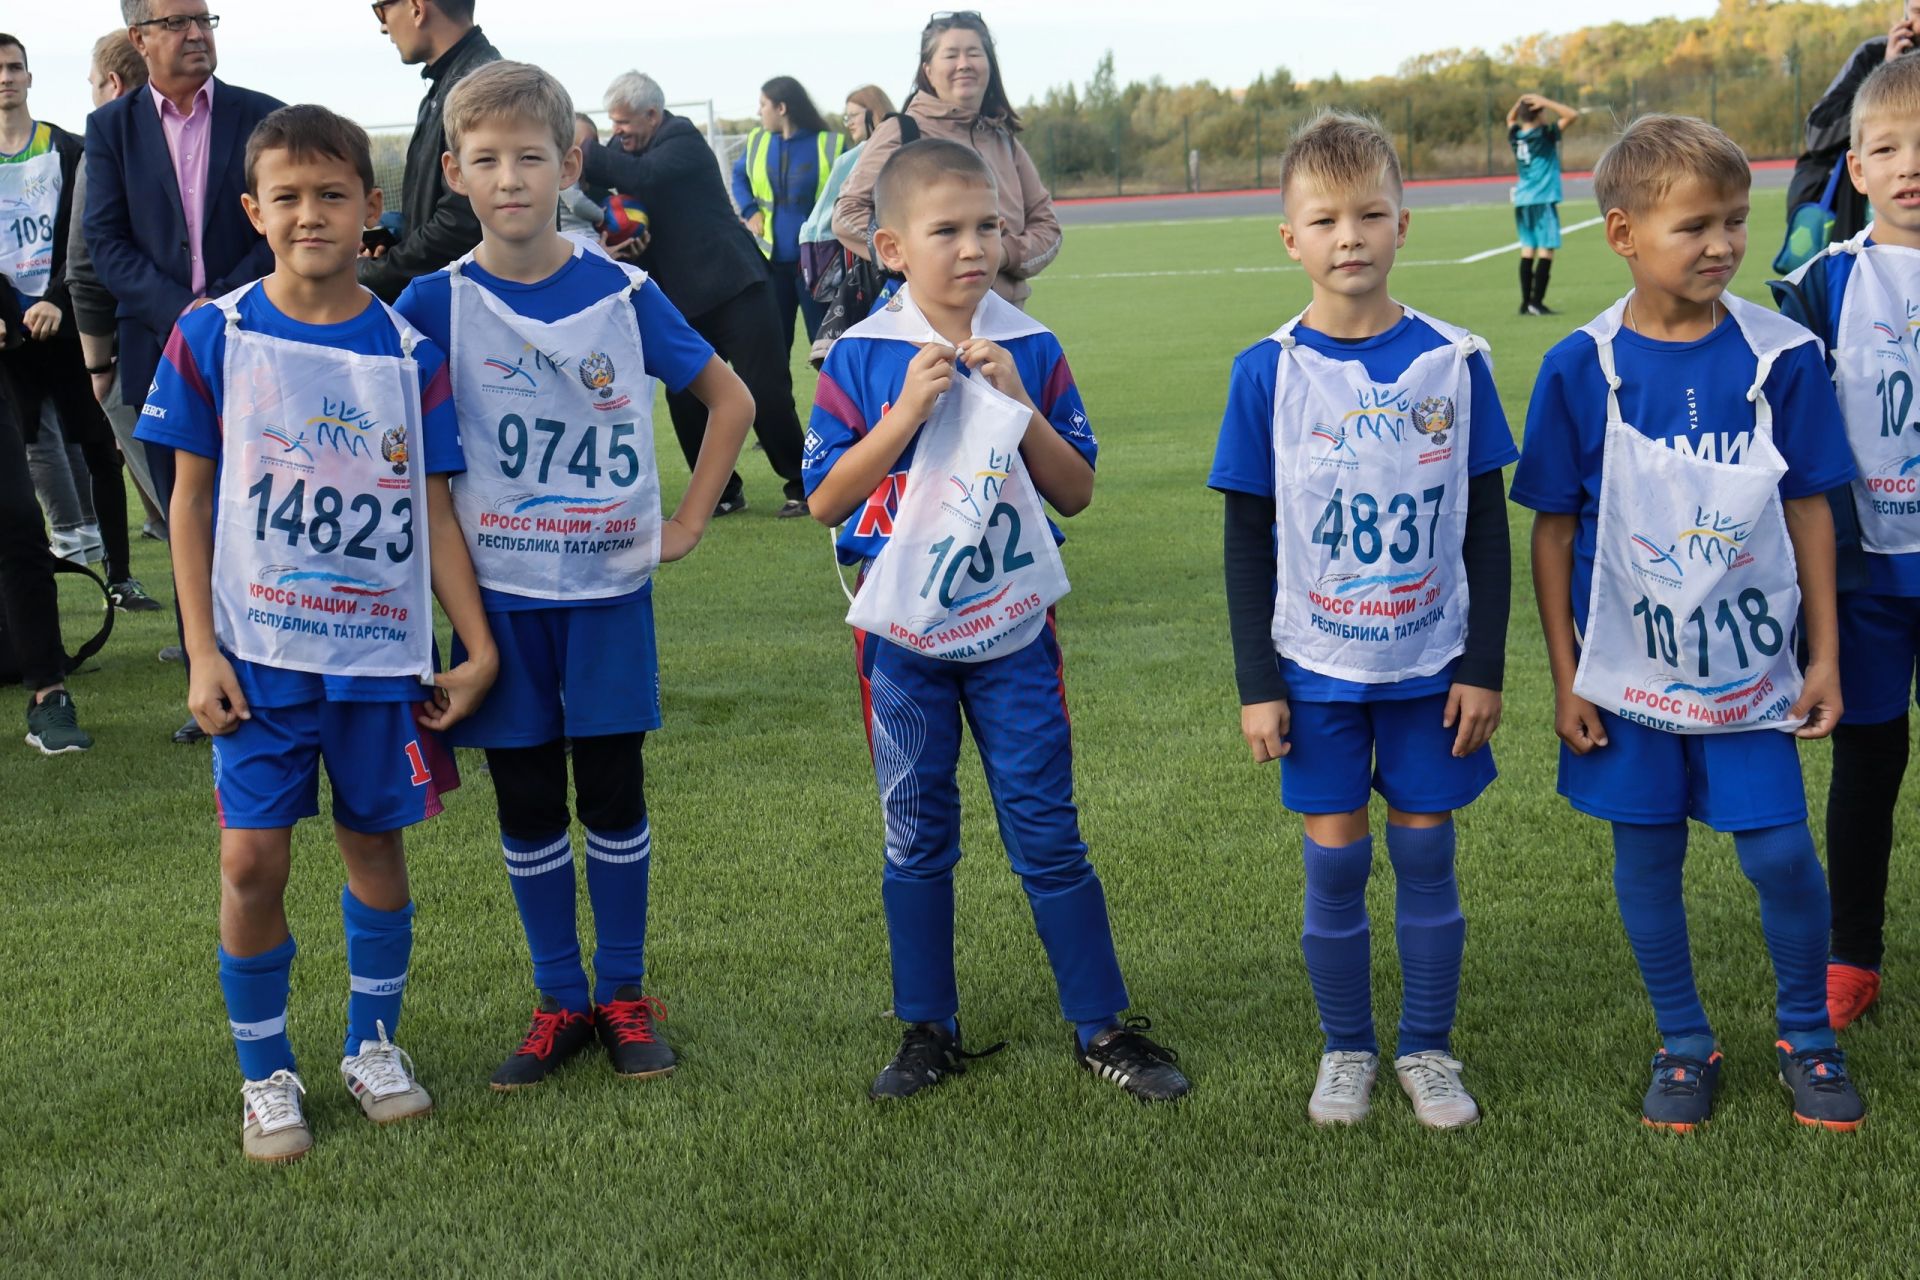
pixel 1433 417
pixel 1335 449
pixel 393 447
pixel 596 375
pixel 513 376
pixel 288 446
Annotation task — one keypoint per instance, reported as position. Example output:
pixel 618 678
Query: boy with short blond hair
pixel 1369 610
pixel 1678 450
pixel 1859 296
pixel 939 424
pixel 313 433
pixel 555 350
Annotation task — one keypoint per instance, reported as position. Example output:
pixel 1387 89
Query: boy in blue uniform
pixel 1359 662
pixel 313 432
pixel 1858 297
pixel 1678 450
pixel 555 349
pixel 1536 192
pixel 961 568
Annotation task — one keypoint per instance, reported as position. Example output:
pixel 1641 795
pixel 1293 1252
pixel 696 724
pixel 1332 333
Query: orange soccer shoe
pixel 1851 991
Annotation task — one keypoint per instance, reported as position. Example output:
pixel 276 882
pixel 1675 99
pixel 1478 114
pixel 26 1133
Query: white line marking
pixel 1279 268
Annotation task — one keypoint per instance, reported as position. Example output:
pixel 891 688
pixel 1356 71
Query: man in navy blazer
pixel 165 172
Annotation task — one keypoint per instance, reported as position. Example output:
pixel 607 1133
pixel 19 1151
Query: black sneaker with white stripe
pixel 1125 1056
pixel 928 1054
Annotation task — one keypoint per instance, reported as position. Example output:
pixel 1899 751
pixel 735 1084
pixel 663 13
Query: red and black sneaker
pixel 557 1034
pixel 625 1025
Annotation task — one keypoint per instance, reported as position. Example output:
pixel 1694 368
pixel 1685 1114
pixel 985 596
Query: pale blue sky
pixel 330 51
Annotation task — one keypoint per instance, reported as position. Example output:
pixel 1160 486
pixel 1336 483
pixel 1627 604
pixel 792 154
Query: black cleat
pixel 928 1055
pixel 188 734
pixel 625 1026
pixel 556 1035
pixel 1124 1055
pixel 730 504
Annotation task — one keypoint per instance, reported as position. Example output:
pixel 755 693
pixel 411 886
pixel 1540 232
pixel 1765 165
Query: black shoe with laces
pixel 1125 1056
pixel 1823 1092
pixel 188 734
pixel 928 1054
pixel 53 725
pixel 730 504
pixel 556 1035
pixel 1681 1095
pixel 625 1026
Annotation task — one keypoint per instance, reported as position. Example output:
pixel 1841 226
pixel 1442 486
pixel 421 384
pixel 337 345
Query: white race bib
pixel 1690 621
pixel 561 496
pixel 320 557
pixel 1875 352
pixel 29 213
pixel 1372 478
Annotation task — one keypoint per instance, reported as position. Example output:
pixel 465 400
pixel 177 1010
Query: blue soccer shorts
pixel 1729 781
pixel 387 772
pixel 579 671
pixel 1879 655
pixel 1538 225
pixel 1339 752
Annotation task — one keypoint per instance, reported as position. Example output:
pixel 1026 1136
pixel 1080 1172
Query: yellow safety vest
pixel 760 181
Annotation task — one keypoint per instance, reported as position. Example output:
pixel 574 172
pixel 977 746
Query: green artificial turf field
pixel 118 1150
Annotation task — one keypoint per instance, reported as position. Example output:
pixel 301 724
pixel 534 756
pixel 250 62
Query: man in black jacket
pixel 707 264
pixel 1829 125
pixel 440 225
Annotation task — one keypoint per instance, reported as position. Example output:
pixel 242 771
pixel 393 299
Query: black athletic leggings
pixel 609 777
pixel 1869 762
pixel 56 371
pixel 28 599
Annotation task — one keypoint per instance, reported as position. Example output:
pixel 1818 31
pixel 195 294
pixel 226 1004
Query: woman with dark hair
pixel 958 95
pixel 776 182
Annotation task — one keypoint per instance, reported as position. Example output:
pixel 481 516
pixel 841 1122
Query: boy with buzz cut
pixel 1369 610
pixel 312 527
pixel 1536 192
pixel 1858 297
pixel 939 425
pixel 1678 451
pixel 555 349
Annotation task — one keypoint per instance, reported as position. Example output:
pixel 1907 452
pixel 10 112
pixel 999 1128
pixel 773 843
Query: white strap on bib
pixel 1467 342
pixel 582 245
pixel 229 305
pixel 901 320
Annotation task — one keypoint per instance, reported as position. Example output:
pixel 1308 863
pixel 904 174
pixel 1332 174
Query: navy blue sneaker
pixel 1823 1092
pixel 1681 1095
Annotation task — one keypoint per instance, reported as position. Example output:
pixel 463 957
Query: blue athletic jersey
pixel 670 349
pixel 1243 459
pixel 1691 396
pixel 1536 163
pixel 185 409
pixel 1886 575
pixel 857 387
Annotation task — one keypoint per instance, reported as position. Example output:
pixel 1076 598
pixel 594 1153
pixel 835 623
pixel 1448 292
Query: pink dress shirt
pixel 188 138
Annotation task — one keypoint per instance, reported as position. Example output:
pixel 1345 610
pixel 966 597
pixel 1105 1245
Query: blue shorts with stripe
pixel 387 772
pixel 571 671
pixel 1729 781
pixel 1538 225
pixel 1879 655
pixel 1338 752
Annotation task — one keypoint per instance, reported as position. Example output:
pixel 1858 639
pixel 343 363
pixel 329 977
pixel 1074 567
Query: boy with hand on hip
pixel 939 425
pixel 1369 609
pixel 555 350
pixel 1679 448
pixel 312 527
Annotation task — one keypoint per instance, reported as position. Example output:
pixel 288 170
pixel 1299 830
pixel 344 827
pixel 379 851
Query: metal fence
pixel 1441 128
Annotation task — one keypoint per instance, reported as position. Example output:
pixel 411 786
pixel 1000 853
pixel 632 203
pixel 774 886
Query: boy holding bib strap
pixel 1678 450
pixel 555 349
pixel 1369 609
pixel 313 432
pixel 1860 297
pixel 939 425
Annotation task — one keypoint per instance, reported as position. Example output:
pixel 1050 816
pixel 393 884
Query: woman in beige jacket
pixel 958 95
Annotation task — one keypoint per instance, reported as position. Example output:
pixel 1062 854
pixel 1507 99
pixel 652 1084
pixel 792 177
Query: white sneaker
pixel 1343 1090
pixel 272 1128
pixel 72 544
pixel 1432 1080
pixel 380 1078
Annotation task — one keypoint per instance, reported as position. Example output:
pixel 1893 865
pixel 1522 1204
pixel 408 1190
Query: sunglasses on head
pixel 957 18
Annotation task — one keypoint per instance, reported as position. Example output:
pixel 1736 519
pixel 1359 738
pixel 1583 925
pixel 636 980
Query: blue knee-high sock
pixel 920 940
pixel 617 867
pixel 1070 915
pixel 541 872
pixel 256 992
pixel 379 945
pixel 1648 861
pixel 1338 943
pixel 1794 915
pixel 1431 932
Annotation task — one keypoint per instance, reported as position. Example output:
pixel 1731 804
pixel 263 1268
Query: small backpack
pixel 10 668
pixel 858 284
pixel 1810 225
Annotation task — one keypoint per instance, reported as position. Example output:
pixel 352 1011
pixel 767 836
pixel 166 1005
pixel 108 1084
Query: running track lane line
pixel 1467 261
